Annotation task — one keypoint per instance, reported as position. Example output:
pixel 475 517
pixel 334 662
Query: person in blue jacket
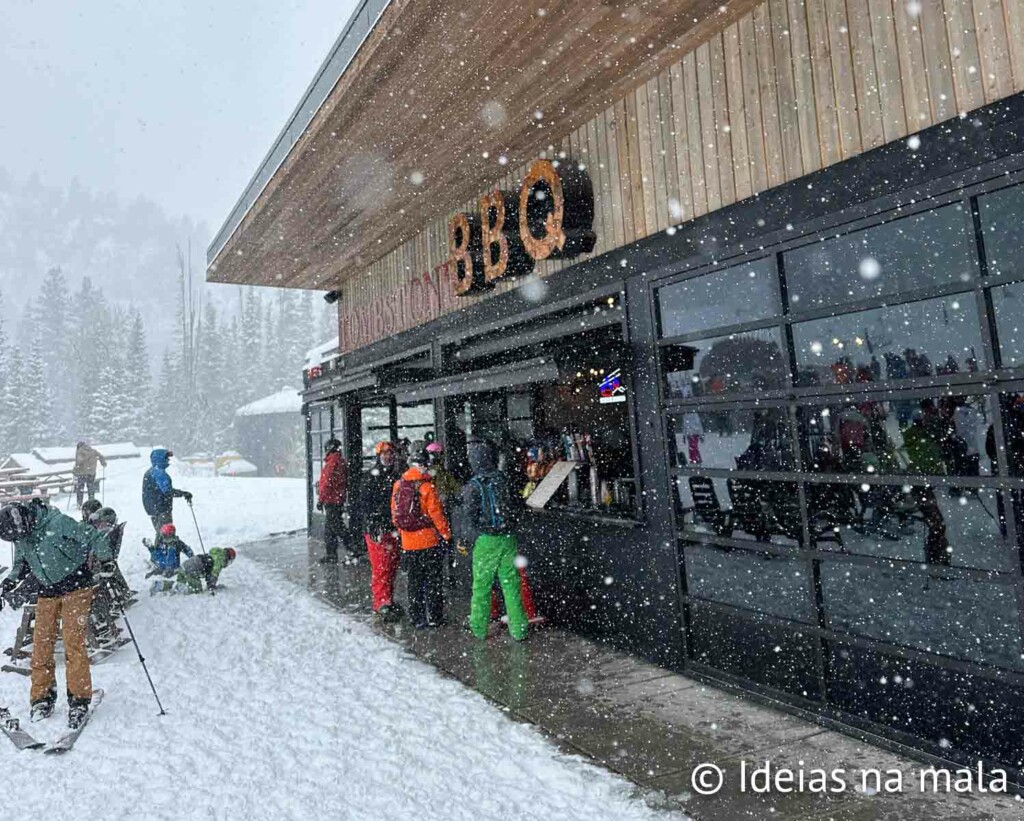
pixel 157 491
pixel 166 558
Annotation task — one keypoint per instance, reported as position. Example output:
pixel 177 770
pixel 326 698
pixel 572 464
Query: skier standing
pixel 55 549
pixel 332 490
pixel 419 516
pixel 379 534
pixel 84 471
pixel 157 490
pixel 487 522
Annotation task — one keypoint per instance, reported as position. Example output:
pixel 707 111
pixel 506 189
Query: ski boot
pixel 78 710
pixel 42 708
pixel 390 613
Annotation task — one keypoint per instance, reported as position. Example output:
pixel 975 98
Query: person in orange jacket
pixel 419 516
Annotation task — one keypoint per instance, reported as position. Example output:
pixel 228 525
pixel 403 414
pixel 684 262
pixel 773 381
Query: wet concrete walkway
pixel 650 725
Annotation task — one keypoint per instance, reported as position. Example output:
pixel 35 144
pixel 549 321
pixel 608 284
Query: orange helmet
pixel 382 446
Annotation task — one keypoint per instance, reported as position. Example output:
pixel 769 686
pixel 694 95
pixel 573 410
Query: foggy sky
pixel 177 101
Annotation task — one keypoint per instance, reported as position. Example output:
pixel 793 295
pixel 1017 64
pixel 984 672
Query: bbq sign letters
pixel 551 216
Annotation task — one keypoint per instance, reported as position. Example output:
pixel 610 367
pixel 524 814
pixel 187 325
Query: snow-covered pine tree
pixel 52 350
pixel 13 410
pixel 39 421
pixel 5 369
pixel 137 380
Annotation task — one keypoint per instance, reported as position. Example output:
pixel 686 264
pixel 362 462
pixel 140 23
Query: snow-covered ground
pixel 278 707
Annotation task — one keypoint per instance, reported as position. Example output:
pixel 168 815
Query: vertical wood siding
pixel 793 86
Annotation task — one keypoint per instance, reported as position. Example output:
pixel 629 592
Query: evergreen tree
pixel 137 381
pixel 5 368
pixel 163 407
pixel 91 346
pixel 12 404
pixel 50 327
pixel 38 423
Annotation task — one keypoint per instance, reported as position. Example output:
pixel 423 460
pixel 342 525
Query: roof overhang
pixel 402 137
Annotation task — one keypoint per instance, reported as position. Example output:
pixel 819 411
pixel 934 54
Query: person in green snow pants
pixel 489 512
pixel 496 555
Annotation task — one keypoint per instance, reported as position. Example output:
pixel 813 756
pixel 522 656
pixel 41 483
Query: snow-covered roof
pixel 118 450
pixel 321 353
pixel 286 400
pixel 237 467
pixel 36 466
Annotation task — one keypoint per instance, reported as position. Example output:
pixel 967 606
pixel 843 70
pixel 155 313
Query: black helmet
pixel 418 453
pixel 331 445
pixel 90 507
pixel 105 515
pixel 16 521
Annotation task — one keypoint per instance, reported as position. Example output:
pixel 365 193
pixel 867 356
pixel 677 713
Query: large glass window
pixel 962 618
pixel 933 248
pixel 735 508
pixel 747 362
pixel 416 422
pixel 1002 223
pixel 374 427
pixel 1008 307
pixel 771 584
pixel 717 300
pixel 942 435
pixel 742 439
pixel 935 337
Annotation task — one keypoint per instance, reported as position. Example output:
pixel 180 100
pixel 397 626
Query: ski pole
pixel 198 532
pixel 145 669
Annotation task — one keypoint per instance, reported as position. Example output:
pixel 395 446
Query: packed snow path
pixel 280 707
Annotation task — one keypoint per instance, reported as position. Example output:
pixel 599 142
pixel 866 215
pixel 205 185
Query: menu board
pixel 542 494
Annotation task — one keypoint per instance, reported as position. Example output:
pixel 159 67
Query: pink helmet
pixel 435 447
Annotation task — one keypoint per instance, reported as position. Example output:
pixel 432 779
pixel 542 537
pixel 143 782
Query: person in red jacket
pixel 417 512
pixel 332 490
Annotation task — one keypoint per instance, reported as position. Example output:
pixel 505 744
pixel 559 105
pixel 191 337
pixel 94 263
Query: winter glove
pixel 187 496
pixel 462 549
pixel 320 506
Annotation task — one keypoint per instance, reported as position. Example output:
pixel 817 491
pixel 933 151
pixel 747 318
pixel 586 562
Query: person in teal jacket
pixel 58 552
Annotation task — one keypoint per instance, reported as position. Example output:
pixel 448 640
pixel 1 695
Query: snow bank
pixel 279 707
pixel 321 353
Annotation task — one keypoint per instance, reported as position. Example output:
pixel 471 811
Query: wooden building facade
pixel 783 359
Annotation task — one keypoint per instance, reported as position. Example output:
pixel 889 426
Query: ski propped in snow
pixel 67 741
pixel 11 729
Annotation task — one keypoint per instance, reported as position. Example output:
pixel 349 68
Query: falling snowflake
pixel 869 268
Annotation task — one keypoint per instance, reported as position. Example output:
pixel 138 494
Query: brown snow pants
pixel 72 611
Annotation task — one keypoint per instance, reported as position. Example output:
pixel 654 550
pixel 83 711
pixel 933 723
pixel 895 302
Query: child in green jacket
pixel 205 568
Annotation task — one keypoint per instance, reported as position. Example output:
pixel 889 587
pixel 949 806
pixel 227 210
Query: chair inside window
pixel 749 507
pixel 706 507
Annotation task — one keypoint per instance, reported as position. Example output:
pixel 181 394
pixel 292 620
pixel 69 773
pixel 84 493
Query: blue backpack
pixel 492 519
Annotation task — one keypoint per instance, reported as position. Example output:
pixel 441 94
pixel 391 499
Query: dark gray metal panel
pixel 540 369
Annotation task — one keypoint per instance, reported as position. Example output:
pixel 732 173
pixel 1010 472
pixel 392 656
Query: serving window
pixel 566 443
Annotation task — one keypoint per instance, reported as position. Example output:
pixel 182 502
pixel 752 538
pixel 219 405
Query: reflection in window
pixel 966 528
pixel 927 249
pixel 776 585
pixel 963 618
pixel 1002 222
pixel 1013 431
pixel 937 337
pixel 940 436
pixel 416 422
pixel 731 297
pixel 748 439
pixel 1007 304
pixel 765 511
pixel 375 426
pixel 738 363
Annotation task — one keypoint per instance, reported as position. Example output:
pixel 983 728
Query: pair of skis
pixel 24 741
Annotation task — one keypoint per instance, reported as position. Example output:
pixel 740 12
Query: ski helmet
pixel 332 445
pixel 105 515
pixel 418 453
pixel 382 446
pixel 16 521
pixel 89 508
pixel 168 530
pixel 231 554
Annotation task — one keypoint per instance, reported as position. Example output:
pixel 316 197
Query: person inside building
pixel 417 512
pixel 166 558
pixel 922 442
pixel 158 491
pixel 488 527
pixel 379 533
pixel 56 550
pixel 332 491
pixel 84 471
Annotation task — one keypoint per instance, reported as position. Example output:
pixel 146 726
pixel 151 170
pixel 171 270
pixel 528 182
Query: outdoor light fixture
pixel 332 296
